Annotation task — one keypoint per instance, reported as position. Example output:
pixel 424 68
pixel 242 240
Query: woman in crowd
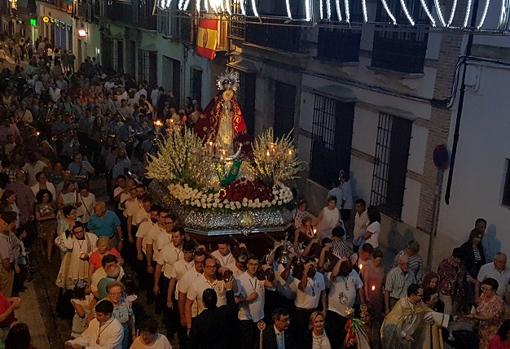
pixel 489 312
pixel 328 219
pixel 316 337
pixel 374 226
pixel 299 213
pixel 68 196
pixel 304 233
pixel 122 311
pixel 46 217
pixel 83 302
pixel 75 264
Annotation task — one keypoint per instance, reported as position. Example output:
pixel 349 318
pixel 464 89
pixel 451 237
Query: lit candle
pixel 267 153
pixel 290 151
pixel 38 133
pixel 360 266
pixel 314 231
pixel 373 288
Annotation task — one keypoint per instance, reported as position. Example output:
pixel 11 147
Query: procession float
pixel 218 180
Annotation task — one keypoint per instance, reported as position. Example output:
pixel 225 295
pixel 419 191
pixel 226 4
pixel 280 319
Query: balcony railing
pixel 401 51
pixel 60 4
pixel 84 10
pixel 280 37
pixel 341 45
pixel 146 19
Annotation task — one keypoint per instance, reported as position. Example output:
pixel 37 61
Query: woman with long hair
pixel 46 217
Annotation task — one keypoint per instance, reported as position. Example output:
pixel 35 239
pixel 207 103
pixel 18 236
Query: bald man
pixel 106 223
pixel 397 281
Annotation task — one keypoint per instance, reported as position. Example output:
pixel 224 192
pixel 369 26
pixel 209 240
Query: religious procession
pixel 171 226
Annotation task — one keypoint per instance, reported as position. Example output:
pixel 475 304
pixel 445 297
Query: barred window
pixel 332 139
pixel 390 168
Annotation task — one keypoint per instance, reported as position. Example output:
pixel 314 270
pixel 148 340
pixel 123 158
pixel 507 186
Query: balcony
pixel 145 18
pixel 400 51
pixel 84 10
pixel 61 5
pixel 338 45
pixel 280 37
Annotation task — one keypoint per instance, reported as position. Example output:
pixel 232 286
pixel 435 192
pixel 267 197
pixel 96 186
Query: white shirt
pixel 360 222
pixel 147 231
pixel 51 188
pixel 33 169
pixel 160 239
pixel 87 206
pixel 347 195
pixel 342 293
pixel 107 336
pixel 375 229
pixel 199 286
pixel 167 257
pixel 160 343
pixel 227 261
pixel 180 268
pixel 280 338
pixel 320 342
pixel 330 219
pixel 100 274
pixel 502 277
pixel 308 298
pixel 253 311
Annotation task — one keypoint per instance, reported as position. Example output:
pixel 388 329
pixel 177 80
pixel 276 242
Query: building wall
pixel 480 166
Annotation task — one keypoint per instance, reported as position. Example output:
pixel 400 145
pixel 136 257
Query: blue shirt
pixel 105 226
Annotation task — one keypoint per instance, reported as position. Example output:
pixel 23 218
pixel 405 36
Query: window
pixel 246 97
pixel 147 66
pixel 400 49
pixel 339 44
pixel 284 107
pixel 506 190
pixel 390 168
pixel 332 139
pixel 196 84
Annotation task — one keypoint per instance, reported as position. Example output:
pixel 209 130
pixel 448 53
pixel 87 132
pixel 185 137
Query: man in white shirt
pixel 309 287
pixel 103 332
pixel 360 223
pixel 201 283
pixel 251 300
pixel 224 255
pixel 498 271
pixel 185 283
pixel 180 268
pixel 146 233
pixel 167 256
pixel 398 280
pixel 345 286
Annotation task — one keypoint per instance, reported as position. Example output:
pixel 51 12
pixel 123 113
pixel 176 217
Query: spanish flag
pixel 207 38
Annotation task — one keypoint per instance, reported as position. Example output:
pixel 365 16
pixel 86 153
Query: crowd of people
pixel 120 253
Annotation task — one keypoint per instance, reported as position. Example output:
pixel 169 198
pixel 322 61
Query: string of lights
pixel 319 12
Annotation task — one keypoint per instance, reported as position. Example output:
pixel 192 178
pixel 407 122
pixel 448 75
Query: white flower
pixel 257 200
pixel 238 204
pixel 220 205
pixel 279 202
pixel 215 204
pixel 245 200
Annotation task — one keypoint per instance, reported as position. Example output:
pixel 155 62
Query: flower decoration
pixel 274 160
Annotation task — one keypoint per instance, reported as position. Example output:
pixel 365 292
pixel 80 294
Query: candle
pixel 360 266
pixel 267 153
pixel 314 231
pixel 290 152
pixel 38 133
pixel 373 288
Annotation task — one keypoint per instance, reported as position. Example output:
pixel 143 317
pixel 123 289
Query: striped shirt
pixel 341 249
pixel 397 282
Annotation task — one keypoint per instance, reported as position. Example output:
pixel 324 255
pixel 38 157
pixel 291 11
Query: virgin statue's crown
pixel 228 80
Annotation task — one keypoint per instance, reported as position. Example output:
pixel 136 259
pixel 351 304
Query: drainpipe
pixel 467 54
